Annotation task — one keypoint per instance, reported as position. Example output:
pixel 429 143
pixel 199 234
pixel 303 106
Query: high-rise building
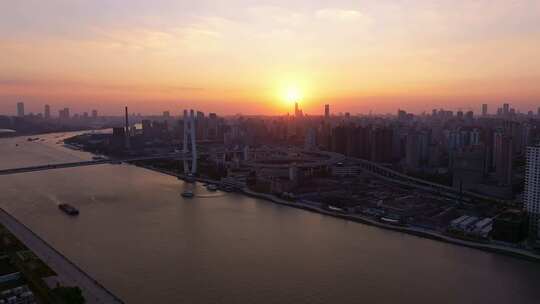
pixel 468 167
pixel 475 137
pixel 327 111
pixel 310 141
pixel 506 109
pixel 363 142
pixel 94 114
pixel 401 115
pixel 47 112
pixel 484 109
pixel 297 111
pixel 531 196
pixel 201 125
pixel 166 114
pixel 147 128
pixel 503 156
pixel 381 144
pixel 64 113
pixel 20 109
pixel 212 125
pixel 339 139
pixel 412 150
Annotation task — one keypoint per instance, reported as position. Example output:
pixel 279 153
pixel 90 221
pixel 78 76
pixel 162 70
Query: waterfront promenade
pixel 68 273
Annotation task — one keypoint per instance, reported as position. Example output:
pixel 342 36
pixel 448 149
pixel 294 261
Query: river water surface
pixel 143 241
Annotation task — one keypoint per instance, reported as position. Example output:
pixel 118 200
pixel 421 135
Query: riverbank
pixel 519 253
pixel 514 252
pixel 68 273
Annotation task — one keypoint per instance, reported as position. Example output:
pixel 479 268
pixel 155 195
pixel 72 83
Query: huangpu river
pixel 143 241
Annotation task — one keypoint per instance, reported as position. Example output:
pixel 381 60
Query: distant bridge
pixel 176 156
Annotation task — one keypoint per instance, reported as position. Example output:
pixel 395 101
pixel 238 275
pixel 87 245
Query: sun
pixel 290 90
pixel 292 94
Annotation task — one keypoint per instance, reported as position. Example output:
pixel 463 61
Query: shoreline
pixel 419 232
pixel 93 291
pixel 514 252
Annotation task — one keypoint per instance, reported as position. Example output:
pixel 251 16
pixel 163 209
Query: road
pixel 92 290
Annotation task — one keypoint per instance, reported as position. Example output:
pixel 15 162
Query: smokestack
pixel 127 121
pixel 126 135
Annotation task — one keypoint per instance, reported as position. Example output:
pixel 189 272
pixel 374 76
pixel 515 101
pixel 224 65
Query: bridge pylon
pixel 190 141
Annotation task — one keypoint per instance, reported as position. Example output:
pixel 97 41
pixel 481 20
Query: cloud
pixel 277 15
pixel 340 15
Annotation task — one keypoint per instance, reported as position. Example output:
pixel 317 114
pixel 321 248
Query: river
pixel 144 242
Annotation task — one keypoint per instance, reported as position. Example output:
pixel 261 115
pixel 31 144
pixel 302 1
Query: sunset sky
pixel 247 56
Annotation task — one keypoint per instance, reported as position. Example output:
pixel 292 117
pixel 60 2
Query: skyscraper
pixel 484 109
pixel 20 109
pixel 412 150
pixel 326 111
pixel 531 197
pixel 503 156
pixel 47 112
pixel 381 144
pixel 310 141
pixel 506 109
pixel 94 114
pixel 64 113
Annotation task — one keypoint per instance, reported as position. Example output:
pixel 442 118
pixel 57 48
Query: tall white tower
pixel 532 189
pixel 186 127
pixel 190 140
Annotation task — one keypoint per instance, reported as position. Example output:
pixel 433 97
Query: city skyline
pixel 243 57
pixel 500 110
pixel 242 151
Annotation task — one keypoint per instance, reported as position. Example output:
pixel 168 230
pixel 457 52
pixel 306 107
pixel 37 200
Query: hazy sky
pixel 242 56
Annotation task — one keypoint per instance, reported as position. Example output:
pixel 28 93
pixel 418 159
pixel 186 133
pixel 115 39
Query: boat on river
pixel 68 209
pixel 211 187
pixel 188 194
pixel 189 178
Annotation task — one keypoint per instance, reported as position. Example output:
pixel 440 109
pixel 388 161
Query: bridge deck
pixel 87 163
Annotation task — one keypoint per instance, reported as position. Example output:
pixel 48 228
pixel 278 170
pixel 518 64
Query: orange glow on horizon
pixel 253 58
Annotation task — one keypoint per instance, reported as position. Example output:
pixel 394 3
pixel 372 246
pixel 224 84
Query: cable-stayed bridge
pixel 175 156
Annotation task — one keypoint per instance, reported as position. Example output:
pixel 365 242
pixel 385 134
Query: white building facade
pixel 531 198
